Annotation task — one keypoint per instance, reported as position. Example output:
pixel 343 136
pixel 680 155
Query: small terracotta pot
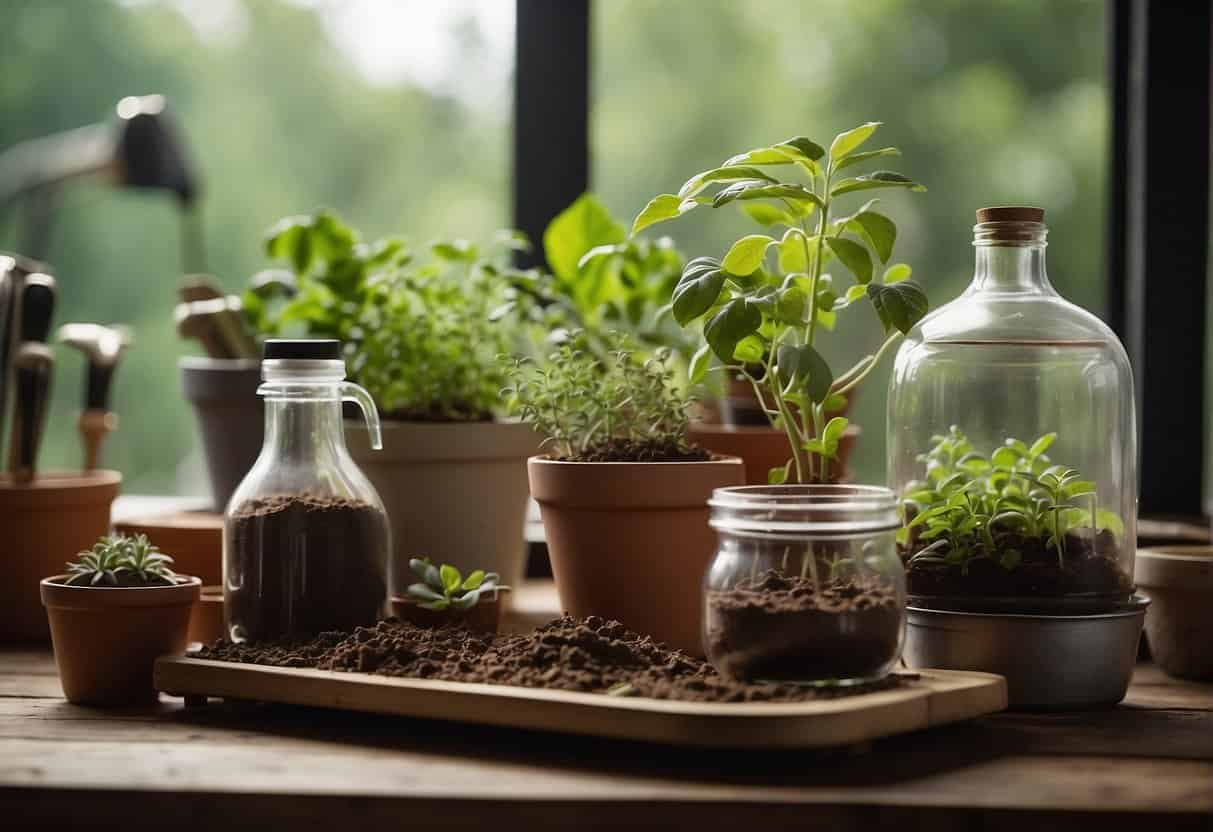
pixel 764 448
pixel 485 617
pixel 206 620
pixel 230 415
pixel 631 541
pixel 107 638
pixel 45 524
pixel 1179 625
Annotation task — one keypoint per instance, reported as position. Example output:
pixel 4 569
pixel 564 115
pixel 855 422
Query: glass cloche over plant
pixel 1012 441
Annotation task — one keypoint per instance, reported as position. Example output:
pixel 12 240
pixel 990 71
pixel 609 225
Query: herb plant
pixel 443 587
pixel 974 507
pixel 422 332
pixel 121 561
pixel 593 409
pixel 767 301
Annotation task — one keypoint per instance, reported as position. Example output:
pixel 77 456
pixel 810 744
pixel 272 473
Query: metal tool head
pixel 199 287
pixel 150 148
pixel 102 345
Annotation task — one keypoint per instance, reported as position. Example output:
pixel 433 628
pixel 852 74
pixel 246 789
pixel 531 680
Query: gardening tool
pixel 102 347
pixel 219 325
pixel 32 374
pixel 16 269
pixel 7 278
pixel 198 287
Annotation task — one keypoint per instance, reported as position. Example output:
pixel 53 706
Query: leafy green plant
pixel 766 302
pixel 443 587
pixel 121 561
pixel 603 409
pixel 972 506
pixel 421 333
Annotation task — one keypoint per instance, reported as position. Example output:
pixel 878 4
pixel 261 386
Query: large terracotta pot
pixel 631 541
pixel 1179 582
pixel 107 638
pixel 763 448
pixel 230 417
pixel 45 524
pixel 455 492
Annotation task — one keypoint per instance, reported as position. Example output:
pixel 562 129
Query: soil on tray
pixel 590 655
pixel 620 450
pixel 304 564
pixel 781 627
pixel 1088 577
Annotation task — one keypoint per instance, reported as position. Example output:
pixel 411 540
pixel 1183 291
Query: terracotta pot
pixel 46 524
pixel 485 617
pixel 1179 625
pixel 230 417
pixel 206 619
pixel 763 448
pixel 631 541
pixel 454 492
pixel 107 638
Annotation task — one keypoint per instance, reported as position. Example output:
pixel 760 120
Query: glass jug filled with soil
pixel 305 535
pixel 806 585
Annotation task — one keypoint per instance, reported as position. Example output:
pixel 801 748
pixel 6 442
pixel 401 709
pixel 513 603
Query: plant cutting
pixel 1009 525
pixel 793 612
pixel 422 331
pixel 444 596
pixel 622 493
pixel 116 609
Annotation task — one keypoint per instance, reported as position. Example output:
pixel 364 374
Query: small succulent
pixel 121 561
pixel 443 587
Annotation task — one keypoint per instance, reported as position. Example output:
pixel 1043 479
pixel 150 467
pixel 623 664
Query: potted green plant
pixel 622 493
pixel 763 307
pixel 443 596
pixel 422 331
pixel 116 609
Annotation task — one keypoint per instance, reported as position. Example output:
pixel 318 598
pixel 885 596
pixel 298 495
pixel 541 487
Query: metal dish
pixel 1049 661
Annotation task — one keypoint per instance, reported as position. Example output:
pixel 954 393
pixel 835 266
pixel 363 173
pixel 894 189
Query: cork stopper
pixel 1011 213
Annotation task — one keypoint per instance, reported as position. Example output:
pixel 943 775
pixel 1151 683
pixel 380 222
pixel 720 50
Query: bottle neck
pixel 304 430
pixel 1010 258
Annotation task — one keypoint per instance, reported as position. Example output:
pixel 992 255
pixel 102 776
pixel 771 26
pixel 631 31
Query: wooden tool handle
pixel 32 374
pixel 95 426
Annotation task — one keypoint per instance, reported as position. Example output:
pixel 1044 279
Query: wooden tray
pixel 938 697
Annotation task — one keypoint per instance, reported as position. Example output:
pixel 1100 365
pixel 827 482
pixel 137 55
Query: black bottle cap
pixel 321 349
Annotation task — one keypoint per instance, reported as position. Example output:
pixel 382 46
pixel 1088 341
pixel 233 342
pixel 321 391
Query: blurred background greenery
pixel 395 113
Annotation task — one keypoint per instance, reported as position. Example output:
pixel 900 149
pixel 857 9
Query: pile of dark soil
pixel 1089 578
pixel 302 564
pixel 621 450
pixel 780 627
pixel 590 655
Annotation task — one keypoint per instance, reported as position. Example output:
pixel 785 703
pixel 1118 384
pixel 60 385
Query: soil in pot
pixel 591 655
pixel 337 580
pixel 1088 578
pixel 781 627
pixel 628 451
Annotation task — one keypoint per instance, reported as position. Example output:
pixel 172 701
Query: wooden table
pixel 1147 764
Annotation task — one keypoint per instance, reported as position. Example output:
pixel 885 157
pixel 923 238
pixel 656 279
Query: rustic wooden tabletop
pixel 1149 759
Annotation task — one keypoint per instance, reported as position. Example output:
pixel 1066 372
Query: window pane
pixel 990 103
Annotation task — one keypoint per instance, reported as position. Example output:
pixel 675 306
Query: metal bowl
pixel 1049 661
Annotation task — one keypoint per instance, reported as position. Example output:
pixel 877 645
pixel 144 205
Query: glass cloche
pixel 1013 443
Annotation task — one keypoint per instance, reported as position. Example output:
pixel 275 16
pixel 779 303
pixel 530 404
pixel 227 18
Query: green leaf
pixel 729 173
pixel 750 350
pixel 854 256
pixel 424 593
pixel 805 365
pixel 746 254
pixel 758 189
pixel 474 580
pixel 700 362
pixel 582 226
pixel 455 250
pixel 791 305
pixel 724 330
pixel 845 142
pixel 697 290
pixel 779 474
pixel 792 258
pixel 1041 445
pixel 857 158
pixel 437 606
pixel 766 214
pixel 450 577
pixel 879 179
pixel 880 231
pixel 854 293
pixel 466 602
pixel 797 149
pixel 661 208
pixel 899 306
pixel 834 430
pixel 1005 457
pixel 1111 521
pixel 897 273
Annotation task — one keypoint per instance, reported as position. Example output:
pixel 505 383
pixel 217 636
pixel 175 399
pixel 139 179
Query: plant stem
pixel 851 383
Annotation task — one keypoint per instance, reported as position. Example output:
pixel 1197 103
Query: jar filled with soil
pixel 1012 442
pixel 806 585
pixel 305 535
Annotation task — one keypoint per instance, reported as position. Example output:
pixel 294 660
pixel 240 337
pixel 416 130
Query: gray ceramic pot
pixel 230 417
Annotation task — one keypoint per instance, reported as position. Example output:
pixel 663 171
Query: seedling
pixel 763 305
pixel 443 587
pixel 121 561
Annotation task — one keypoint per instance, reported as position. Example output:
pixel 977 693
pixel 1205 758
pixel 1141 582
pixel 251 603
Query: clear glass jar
pixel 806 585
pixel 1012 441
pixel 305 535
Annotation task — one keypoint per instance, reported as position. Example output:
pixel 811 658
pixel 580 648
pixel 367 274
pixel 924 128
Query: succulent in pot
pixel 116 609
pixel 806 585
pixel 422 332
pixel 444 596
pixel 622 493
